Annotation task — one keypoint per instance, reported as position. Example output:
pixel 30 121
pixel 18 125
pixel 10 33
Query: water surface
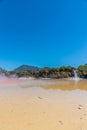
pixel 43 105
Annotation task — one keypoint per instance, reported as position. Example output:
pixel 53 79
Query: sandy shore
pixel 40 108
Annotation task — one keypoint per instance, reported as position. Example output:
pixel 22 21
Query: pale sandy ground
pixel 51 105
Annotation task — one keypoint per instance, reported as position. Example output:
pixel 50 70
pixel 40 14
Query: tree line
pixel 62 72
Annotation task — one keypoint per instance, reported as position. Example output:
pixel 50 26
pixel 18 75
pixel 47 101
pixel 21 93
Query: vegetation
pixel 3 72
pixel 82 71
pixel 31 71
pixel 62 72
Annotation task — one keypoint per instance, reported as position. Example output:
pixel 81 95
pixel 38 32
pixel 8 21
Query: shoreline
pixel 50 106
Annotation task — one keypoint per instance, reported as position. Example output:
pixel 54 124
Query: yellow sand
pixel 46 107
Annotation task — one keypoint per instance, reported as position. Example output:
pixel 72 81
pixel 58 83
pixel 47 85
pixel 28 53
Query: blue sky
pixel 43 33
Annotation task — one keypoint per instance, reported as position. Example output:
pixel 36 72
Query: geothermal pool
pixel 43 104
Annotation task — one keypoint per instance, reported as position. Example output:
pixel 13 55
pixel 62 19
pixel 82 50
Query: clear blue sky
pixel 43 32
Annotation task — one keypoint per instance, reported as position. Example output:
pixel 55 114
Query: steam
pixel 7 80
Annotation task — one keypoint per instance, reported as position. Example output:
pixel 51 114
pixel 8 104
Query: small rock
pixel 39 97
pixel 80 107
pixel 61 122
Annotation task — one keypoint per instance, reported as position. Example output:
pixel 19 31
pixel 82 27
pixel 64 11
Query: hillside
pixel 25 68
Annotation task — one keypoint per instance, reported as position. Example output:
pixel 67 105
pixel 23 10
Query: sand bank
pixel 43 108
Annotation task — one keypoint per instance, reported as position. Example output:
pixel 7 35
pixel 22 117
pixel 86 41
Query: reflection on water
pixel 64 85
